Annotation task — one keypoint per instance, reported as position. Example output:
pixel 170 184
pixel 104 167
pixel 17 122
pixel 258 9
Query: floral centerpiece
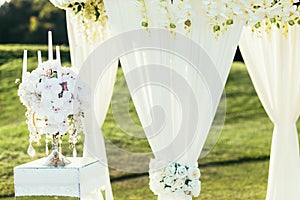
pixel 55 100
pixel 175 180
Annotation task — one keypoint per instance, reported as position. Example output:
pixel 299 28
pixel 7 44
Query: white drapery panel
pixel 176 102
pixel 80 49
pixel 273 63
pixel 82 46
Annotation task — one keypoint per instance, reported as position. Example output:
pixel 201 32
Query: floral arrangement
pixel 256 13
pixel 88 17
pixel 55 100
pixel 177 12
pixel 175 180
pixel 222 14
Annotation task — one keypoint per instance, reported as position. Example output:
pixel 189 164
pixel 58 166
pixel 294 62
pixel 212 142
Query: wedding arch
pixel 211 29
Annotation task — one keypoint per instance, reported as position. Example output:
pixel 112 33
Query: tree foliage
pixel 27 21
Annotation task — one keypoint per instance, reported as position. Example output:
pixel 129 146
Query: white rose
pixel 157 187
pixel 34 76
pixel 167 190
pixel 170 169
pixel 157 175
pixel 181 172
pixel 169 181
pixel 196 187
pixel 41 109
pixel 57 115
pixel 177 192
pixel 179 183
pixel 193 173
pixel 49 89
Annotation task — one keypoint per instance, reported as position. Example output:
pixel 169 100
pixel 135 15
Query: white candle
pixel 50 49
pixel 24 65
pixel 58 55
pixel 39 53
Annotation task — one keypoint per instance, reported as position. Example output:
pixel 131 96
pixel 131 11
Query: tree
pixel 28 22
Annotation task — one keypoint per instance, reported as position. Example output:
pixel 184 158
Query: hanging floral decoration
pixel 55 100
pixel 177 13
pixel 88 15
pixel 260 14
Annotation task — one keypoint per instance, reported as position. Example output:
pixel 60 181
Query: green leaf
pixel 216 28
pixel 78 9
pixel 229 22
pixel 188 23
pixel 145 24
pixel 272 20
pixel 291 22
pixel 172 25
pixel 97 13
pixel 278 25
pixel 257 25
pixel 54 75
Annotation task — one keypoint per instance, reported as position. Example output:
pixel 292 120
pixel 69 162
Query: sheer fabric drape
pixel 80 49
pixel 273 62
pixel 175 103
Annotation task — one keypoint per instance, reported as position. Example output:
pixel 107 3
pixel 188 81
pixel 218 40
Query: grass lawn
pixel 237 167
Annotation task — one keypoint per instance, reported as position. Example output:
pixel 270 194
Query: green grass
pixel 236 168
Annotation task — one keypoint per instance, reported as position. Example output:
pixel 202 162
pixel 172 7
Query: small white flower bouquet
pixel 175 180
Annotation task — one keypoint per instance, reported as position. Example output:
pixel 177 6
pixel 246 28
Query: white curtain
pixel 273 63
pixel 176 102
pixel 81 48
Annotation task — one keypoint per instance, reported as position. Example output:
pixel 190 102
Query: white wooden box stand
pixel 79 179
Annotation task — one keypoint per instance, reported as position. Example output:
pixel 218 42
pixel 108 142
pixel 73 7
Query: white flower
pixel 193 173
pixel 170 169
pixel 167 190
pixel 175 181
pixel 157 175
pixel 51 104
pixel 196 187
pixel 181 172
pixel 157 187
pixel 169 181
pixel 49 88
pixel 179 183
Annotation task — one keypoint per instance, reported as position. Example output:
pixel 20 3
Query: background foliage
pixel 27 21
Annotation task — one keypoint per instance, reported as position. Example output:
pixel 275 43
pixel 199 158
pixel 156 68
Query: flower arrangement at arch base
pixel 55 100
pixel 175 180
